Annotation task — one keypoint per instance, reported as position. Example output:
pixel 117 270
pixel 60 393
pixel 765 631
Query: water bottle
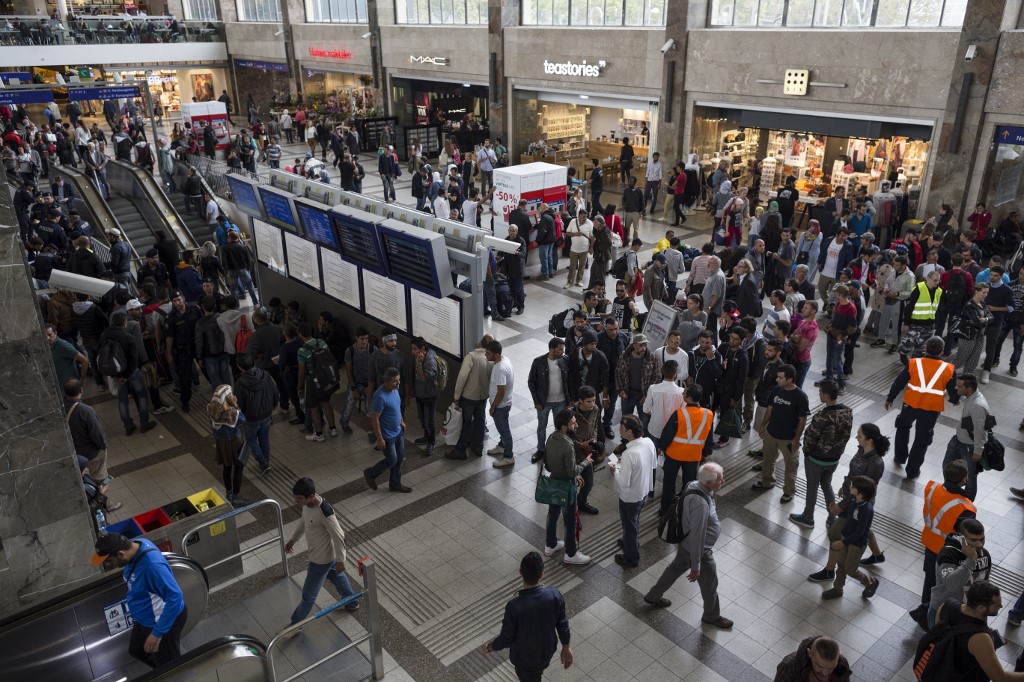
pixel 101 519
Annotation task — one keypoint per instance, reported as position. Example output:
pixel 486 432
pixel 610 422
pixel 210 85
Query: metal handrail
pixel 373 635
pixel 235 512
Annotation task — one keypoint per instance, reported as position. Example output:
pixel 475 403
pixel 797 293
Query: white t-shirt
pixel 581 244
pixel 212 211
pixel 556 391
pixel 680 357
pixel 662 401
pixel 502 375
pixel 773 317
pixel 832 259
pixel 469 208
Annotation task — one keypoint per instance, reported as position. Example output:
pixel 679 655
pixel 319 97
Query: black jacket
pixel 256 393
pixel 85 262
pixel 706 374
pixel 515 263
pixel 533 624
pixel 159 274
pixel 168 254
pixel 90 320
pixel 209 339
pixel 86 431
pixel 545 227
pixel 612 349
pixel 265 344
pixel 748 298
pixel 236 256
pixel 597 373
pixel 540 375
pixel 734 374
pixel 522 221
pixel 128 345
pixel 767 382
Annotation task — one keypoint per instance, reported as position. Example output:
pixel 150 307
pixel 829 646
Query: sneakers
pixel 870 590
pixel 920 616
pixel 984 376
pixel 333 431
pixel 577 559
pixel 167 409
pixel 878 343
pixel 265 468
pixel 428 450
pixel 347 430
pixel 113 506
pixel 497 451
pixel 832 594
pixel 799 520
pixel 422 440
pixel 1013 372
pixel 760 485
pixel 786 499
pixel 315 437
pixel 296 421
pixel 537 456
pixel 873 559
pixel 1012 620
pixel 559 546
pixel 893 348
pixel 502 462
pixel 237 501
pixel 822 576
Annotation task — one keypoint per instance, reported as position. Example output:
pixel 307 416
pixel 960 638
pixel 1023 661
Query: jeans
pixel 135 387
pixel 991 345
pixel 547 259
pixel 218 370
pixel 668 488
pixel 613 397
pixel 389 186
pixel 957 450
pixel 394 453
pixel 1018 343
pixel 595 199
pixel 486 180
pixel 583 495
pixel 282 390
pixel 834 360
pixel 426 408
pixel 350 400
pixel 818 476
pixel 257 441
pixel 500 417
pixel 518 293
pixel 542 421
pixel 316 574
pixel 240 281
pixel 473 418
pixel 168 179
pixel 651 194
pixel 632 403
pixel 568 515
pixel 629 515
pixel 1017 612
pixel 183 364
pixel 801 372
pixel 923 422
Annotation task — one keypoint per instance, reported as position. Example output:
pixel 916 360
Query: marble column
pixel 952 169
pixel 501 14
pixel 45 529
pixel 670 132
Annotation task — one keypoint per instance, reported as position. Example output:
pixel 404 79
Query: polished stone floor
pixel 448 552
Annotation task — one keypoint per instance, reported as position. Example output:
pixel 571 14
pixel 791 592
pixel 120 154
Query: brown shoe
pixel 720 622
pixel 370 481
pixel 660 603
pixel 402 489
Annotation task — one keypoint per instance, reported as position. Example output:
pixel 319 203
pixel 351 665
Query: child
pixel 845 275
pixel 851 546
pixel 226 420
pixel 793 297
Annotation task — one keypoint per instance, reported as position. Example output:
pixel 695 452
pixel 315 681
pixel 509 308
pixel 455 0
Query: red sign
pixel 344 55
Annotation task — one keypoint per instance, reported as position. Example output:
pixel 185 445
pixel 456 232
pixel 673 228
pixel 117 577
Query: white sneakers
pixel 559 546
pixel 577 559
pixel 984 376
pixel 502 462
pixel 497 450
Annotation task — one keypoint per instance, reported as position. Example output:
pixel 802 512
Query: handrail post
pixel 280 528
pixel 243 552
pixel 373 620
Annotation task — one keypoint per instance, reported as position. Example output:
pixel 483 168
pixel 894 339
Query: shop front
pixel 172 86
pixel 266 82
pixel 888 157
pixel 432 110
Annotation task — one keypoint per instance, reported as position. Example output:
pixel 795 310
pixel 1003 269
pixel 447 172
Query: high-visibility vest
pixel 941 510
pixel 927 386
pixel 927 303
pixel 694 425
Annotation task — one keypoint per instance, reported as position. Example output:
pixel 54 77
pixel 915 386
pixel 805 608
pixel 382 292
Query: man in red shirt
pixel 805 331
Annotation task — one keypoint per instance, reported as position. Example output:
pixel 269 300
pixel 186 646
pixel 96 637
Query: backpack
pixel 561 321
pixel 618 269
pixel 124 148
pixel 954 296
pixel 214 337
pixel 670 525
pixel 110 359
pixel 442 373
pixel 242 336
pixel 325 369
pixel 935 660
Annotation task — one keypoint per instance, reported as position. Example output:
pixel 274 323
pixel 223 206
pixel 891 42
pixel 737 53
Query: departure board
pixel 438 321
pixel 269 248
pixel 357 238
pixel 341 279
pixel 243 192
pixel 415 257
pixel 303 264
pixel 316 224
pixel 384 299
pixel 279 208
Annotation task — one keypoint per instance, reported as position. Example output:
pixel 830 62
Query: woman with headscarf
pixel 722 200
pixel 809 244
pixel 226 422
pixel 773 208
pixel 435 187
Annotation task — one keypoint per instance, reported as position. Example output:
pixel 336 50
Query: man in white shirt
pixel 500 395
pixel 212 212
pixel 654 175
pixel 548 382
pixel 580 233
pixel 663 399
pixel 672 351
pixel 634 476
pixel 442 209
pixel 486 160
pixel 778 312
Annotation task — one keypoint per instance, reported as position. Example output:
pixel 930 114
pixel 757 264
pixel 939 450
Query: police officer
pixel 180 335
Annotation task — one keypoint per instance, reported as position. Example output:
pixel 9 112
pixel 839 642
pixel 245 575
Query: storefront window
pixel 259 10
pixel 596 12
pixel 455 12
pixel 835 13
pixel 336 11
pixel 200 10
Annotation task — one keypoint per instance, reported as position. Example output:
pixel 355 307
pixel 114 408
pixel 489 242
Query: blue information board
pixel 316 224
pixel 109 92
pixel 1010 135
pixel 358 240
pixel 25 96
pixel 279 209
pixel 244 193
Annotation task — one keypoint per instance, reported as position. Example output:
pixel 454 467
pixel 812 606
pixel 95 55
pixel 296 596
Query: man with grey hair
pixel 700 531
pixel 714 293
pixel 804 285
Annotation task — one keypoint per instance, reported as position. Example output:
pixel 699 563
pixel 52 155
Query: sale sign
pixel 533 183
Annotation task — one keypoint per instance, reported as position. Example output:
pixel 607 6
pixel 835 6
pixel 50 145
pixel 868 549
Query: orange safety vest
pixel 927 385
pixel 688 443
pixel 941 510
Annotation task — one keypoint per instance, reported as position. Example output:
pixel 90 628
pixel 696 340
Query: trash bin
pixel 152 521
pixel 128 528
pixel 179 510
pixel 212 543
pixel 206 500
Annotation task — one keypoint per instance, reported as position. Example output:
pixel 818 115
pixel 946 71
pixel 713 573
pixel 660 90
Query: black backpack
pixel 618 269
pixel 935 659
pixel 557 324
pixel 670 525
pixel 954 296
pixel 325 369
pixel 110 358
pixel 214 338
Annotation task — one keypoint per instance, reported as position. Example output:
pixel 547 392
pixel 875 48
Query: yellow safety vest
pixel 927 303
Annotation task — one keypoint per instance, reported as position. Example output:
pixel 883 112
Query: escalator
pixel 133 225
pixel 83 635
pixel 239 658
pixel 143 209
pixel 200 230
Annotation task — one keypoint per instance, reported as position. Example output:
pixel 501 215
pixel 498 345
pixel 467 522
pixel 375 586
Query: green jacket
pixel 560 457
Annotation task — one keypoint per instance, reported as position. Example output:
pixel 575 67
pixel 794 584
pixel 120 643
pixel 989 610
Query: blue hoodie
pixel 154 598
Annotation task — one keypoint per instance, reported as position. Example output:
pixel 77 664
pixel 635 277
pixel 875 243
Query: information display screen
pixel 243 191
pixel 269 246
pixel 302 261
pixel 341 279
pixel 384 299
pixel 357 238
pixel 279 208
pixel 438 321
pixel 417 258
pixel 316 224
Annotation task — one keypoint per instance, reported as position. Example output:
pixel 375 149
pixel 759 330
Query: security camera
pixel 366 35
pixel 972 52
pixel 669 44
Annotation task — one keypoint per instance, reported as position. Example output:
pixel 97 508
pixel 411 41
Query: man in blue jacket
pixel 154 598
pixel 534 623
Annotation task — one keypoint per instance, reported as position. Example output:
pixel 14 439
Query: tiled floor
pixel 448 552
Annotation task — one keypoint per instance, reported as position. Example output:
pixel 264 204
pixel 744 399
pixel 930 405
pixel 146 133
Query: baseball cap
pixel 114 231
pixel 207 280
pixel 109 544
pixel 133 304
pixel 175 294
pixel 639 338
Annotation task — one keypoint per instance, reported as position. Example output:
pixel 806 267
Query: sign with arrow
pixel 1013 135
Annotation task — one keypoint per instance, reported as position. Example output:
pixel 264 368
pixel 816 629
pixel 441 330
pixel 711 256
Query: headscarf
pixel 773 207
pixel 725 187
pixel 223 409
pixel 437 176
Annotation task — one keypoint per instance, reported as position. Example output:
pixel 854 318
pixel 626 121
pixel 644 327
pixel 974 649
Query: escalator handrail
pixel 137 173
pixel 194 654
pixel 80 593
pixel 91 180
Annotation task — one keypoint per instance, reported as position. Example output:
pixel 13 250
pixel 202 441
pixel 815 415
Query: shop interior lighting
pixel 584 96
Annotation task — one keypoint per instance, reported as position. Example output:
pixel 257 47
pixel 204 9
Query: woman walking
pixel 226 421
pixel 971 338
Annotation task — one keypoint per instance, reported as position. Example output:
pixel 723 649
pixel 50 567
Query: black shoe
pixel 822 576
pixel 620 559
pixel 873 559
pixel 296 421
pixel 1013 371
pixel 608 433
pixel 428 450
pixel 422 440
pixel 589 509
pixel 537 456
pixel 148 426
pixel 129 431
pixel 799 520
pixel 264 469
pixel 756 454
pixel 346 429
pixel 519 311
pixel 920 616
pixel 757 467
pixel 870 590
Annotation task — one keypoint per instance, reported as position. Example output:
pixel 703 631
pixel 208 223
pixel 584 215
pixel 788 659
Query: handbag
pixel 557 491
pixel 729 424
pixel 803 257
pixel 452 427
pixel 993 454
pixel 960 329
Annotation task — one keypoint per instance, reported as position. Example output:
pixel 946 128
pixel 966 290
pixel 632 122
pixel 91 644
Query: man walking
pixel 560 460
pixel 634 477
pixel 580 233
pixel 534 622
pixel 486 161
pixel 962 561
pixel 781 429
pixel 500 394
pixel 325 542
pixel 425 370
pixel 686 439
pixel 701 529
pixel 238 262
pixel 470 397
pixel 257 396
pixel 919 316
pixel 545 238
pixel 211 346
pixel 654 174
pixel 824 442
pixel 925 379
pixel 87 435
pixel 387 166
pixel 549 387
pixel 180 341
pixel 633 205
pixel 119 358
pixel 389 427
pixel 968 442
pixel 317 398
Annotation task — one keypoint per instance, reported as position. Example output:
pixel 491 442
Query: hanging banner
pixel 114 92
pixel 25 96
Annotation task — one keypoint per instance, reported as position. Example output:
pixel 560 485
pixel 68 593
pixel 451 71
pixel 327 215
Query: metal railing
pixel 373 631
pixel 279 538
pixel 106 30
pixel 213 171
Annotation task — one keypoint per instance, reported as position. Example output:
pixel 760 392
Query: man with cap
pixel 120 257
pixel 654 281
pixel 78 227
pixel 387 166
pixel 155 602
pixel 635 372
pixel 210 289
pixel 153 268
pixel 180 340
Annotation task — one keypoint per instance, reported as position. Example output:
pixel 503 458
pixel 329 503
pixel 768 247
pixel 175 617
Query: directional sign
pixel 25 96
pixel 22 76
pixel 113 92
pixel 1010 135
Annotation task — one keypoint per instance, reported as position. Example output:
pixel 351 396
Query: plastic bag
pixel 452 427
